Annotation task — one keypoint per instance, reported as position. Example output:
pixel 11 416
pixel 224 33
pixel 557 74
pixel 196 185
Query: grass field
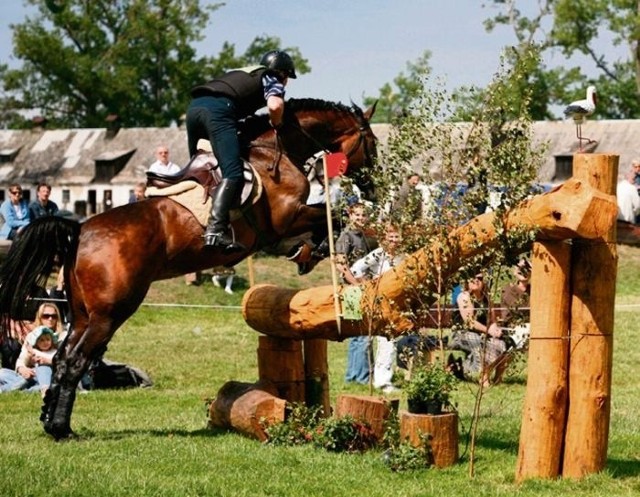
pixel 155 442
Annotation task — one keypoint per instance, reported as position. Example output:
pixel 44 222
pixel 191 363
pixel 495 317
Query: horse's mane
pixel 298 104
pixel 254 126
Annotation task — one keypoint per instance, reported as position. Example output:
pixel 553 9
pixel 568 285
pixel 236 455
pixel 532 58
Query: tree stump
pixel 247 408
pixel 442 430
pixel 280 361
pixel 374 410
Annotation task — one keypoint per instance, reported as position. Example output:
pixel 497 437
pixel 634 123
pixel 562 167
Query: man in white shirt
pixel 163 165
pixel 628 198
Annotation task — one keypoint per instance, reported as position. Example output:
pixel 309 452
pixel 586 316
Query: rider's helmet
pixel 279 61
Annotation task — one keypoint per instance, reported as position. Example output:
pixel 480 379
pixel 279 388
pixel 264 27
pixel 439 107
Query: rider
pixel 214 113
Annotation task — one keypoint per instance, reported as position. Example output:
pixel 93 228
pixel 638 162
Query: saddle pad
pixel 192 196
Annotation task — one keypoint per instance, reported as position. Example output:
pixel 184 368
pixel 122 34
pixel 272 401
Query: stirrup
pixel 223 241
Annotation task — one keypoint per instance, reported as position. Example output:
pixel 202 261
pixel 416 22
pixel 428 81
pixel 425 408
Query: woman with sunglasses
pixel 15 211
pixel 49 315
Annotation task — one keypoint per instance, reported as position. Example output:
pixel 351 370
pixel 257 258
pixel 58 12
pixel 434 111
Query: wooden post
pixel 316 369
pixel 373 410
pixel 280 361
pixel 545 404
pixel 244 407
pixel 593 280
pixel 442 430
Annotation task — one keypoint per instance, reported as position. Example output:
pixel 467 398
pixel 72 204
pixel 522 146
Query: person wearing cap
pixel 36 358
pixel 213 114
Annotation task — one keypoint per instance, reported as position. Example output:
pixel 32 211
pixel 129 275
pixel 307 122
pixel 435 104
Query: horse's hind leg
pixel 70 364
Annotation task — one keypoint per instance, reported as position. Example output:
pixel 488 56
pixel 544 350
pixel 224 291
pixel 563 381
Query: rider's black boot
pixel 218 232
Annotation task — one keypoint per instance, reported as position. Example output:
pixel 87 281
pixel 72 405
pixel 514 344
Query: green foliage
pixel 305 425
pixel 577 27
pixel 134 58
pixel 400 455
pixel 431 383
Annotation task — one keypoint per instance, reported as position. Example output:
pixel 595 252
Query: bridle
pixel 361 142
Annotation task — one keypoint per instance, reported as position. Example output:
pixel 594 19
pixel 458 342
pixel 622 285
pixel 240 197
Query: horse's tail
pixel 44 243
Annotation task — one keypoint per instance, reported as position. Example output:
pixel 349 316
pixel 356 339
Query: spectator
pixel 352 244
pixel 227 277
pixel 408 202
pixel 42 206
pixel 139 192
pixel 628 198
pixel 477 335
pixel 23 377
pixel 372 266
pixel 163 165
pixel 15 212
pixel 635 165
pixel 514 301
pixel 514 312
pixel 36 358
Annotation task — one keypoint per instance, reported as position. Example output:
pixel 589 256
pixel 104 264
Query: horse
pixel 111 259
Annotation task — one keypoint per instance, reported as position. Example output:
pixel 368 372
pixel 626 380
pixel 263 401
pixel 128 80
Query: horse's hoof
pixel 59 433
pixel 303 268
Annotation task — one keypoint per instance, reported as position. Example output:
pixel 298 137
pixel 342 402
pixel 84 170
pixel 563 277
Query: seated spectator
pixel 139 192
pixel 42 206
pixel 163 165
pixel 36 358
pixel 515 296
pixel 23 376
pixel 476 334
pixel 15 211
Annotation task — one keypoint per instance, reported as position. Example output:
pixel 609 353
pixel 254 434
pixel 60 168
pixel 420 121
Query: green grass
pixel 154 442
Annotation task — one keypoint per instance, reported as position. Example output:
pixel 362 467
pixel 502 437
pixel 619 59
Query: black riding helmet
pixel 279 61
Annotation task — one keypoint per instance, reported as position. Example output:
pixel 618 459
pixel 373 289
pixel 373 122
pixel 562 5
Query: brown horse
pixel 111 259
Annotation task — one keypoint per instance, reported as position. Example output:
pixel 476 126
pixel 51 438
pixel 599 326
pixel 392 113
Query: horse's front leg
pixel 307 254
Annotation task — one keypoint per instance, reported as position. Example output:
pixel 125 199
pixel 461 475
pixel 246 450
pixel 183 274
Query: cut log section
pixel 441 430
pixel 247 408
pixel 373 410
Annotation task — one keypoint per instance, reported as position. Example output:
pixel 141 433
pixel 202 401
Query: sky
pixel 354 47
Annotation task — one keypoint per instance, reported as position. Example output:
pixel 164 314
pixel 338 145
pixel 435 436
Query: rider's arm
pixel 274 95
pixel 275 106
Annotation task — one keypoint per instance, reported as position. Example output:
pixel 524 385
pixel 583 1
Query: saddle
pixel 202 168
pixel 193 185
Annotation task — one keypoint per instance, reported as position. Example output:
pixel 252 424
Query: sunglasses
pixel 15 192
pixel 49 316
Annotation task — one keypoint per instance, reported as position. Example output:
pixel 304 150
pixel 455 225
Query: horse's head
pixel 312 125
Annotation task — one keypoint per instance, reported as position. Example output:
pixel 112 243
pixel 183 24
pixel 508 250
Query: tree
pixel 576 26
pixel 134 58
pixel 395 104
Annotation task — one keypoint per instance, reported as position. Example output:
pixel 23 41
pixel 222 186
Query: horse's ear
pixel 368 114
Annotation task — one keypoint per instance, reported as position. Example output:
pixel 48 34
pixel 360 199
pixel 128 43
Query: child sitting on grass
pixel 36 358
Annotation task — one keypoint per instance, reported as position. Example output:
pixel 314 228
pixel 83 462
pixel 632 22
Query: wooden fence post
pixel 593 280
pixel 545 404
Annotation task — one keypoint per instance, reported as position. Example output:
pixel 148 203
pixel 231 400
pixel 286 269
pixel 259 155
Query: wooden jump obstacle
pixel 577 209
